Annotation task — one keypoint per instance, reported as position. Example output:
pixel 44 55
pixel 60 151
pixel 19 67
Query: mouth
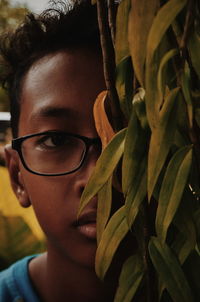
pixel 86 225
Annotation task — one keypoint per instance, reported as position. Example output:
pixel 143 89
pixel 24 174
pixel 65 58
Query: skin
pixel 69 81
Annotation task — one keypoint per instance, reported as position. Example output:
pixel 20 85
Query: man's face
pixel 58 93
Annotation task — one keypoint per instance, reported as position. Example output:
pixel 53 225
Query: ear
pixel 16 179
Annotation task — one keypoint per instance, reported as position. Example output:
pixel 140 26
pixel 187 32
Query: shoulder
pixel 15 283
pixel 6 285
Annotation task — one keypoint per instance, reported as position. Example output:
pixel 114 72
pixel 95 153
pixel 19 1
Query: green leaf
pixel 104 207
pixel 184 221
pixel 185 85
pixel 124 85
pixel 161 80
pixel 162 139
pixel 140 20
pixel 121 41
pixel 161 23
pixel 134 150
pixel 113 234
pixel 140 107
pixel 194 50
pixel 184 244
pixel 136 194
pixel 173 185
pixel 185 237
pixel 170 271
pixel 104 168
pixel 152 100
pixel 130 278
pixel 17 239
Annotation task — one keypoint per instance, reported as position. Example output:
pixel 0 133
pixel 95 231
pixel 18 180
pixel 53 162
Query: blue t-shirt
pixel 15 283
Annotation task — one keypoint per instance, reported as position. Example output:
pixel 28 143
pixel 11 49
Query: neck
pixel 58 279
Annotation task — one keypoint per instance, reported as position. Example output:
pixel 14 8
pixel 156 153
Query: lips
pixel 86 224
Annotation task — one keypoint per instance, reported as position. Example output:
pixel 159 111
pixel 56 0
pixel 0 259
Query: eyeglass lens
pixel 53 153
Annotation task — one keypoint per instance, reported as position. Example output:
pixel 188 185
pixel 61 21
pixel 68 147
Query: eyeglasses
pixel 53 153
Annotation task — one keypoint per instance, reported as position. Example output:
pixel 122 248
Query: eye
pixel 53 140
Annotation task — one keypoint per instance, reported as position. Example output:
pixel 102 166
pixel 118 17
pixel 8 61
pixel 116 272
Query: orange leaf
pixel 103 126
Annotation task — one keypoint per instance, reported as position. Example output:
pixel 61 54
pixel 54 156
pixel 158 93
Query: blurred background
pixel 20 234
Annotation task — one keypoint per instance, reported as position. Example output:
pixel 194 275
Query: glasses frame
pixel 17 143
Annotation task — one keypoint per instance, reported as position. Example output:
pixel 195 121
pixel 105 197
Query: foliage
pixel 10 17
pixel 157 153
pixel 19 231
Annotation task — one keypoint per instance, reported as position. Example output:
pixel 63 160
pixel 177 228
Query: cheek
pixel 53 199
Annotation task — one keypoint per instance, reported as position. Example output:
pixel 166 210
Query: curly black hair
pixel 58 28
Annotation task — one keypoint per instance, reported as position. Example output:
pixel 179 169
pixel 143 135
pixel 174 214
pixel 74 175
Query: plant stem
pixel 150 272
pixel 111 18
pixel 188 26
pixel 109 63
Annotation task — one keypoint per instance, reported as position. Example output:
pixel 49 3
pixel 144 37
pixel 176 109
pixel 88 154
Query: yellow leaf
pixel 103 126
pixel 140 20
pixel 9 205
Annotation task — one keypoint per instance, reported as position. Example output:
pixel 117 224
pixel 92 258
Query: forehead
pixel 64 82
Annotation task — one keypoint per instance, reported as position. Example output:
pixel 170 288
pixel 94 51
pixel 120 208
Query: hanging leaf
pixel 186 88
pixel 152 100
pixel 170 272
pixel 161 80
pixel 140 107
pixel 161 23
pixel 138 30
pixel 185 236
pixel 194 50
pixel 172 189
pixel 162 139
pixel 136 194
pixel 112 236
pixel 104 207
pixel 124 85
pixel 102 124
pixel 121 41
pixel 130 278
pixel 134 150
pixel 104 168
pixel 186 243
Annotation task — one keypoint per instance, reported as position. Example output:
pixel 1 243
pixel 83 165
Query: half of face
pixel 58 94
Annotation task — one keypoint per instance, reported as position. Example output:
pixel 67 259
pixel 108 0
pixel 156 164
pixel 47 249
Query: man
pixel 53 76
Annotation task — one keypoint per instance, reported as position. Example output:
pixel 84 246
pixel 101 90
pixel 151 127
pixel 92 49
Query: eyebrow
pixel 51 111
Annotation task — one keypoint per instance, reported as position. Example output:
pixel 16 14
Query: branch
pixel 188 25
pixel 109 63
pixel 112 18
pixel 151 293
